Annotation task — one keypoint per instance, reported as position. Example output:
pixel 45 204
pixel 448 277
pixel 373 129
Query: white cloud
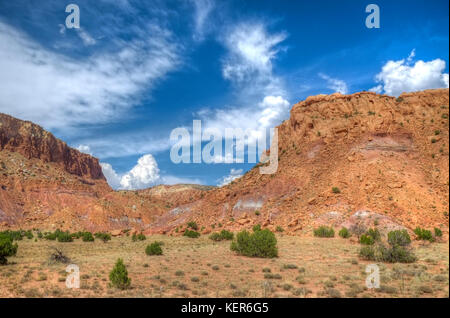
pixel 251 52
pixel 143 175
pixel 401 76
pixel 85 37
pixel 337 85
pixel 85 149
pixel 125 144
pixel 234 174
pixel 202 12
pixel 110 174
pixel 59 92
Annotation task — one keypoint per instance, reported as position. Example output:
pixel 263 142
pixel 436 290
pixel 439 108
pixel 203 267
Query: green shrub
pixel 138 237
pixel 191 234
pixel 105 237
pixel 391 254
pixel 324 231
pixel 335 190
pixel 223 235
pixel 423 234
pixel 154 249
pixel 13 235
pixel 399 238
pixel 256 227
pixel 437 232
pixel 64 237
pixel 119 276
pixel 279 229
pixel 260 243
pixel 7 248
pixel 344 233
pixel 366 239
pixel 374 233
pixel 192 225
pixel 87 237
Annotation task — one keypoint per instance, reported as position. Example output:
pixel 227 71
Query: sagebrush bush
pixel 437 232
pixel 399 238
pixel 324 231
pixel 366 239
pixel 13 235
pixel 191 234
pixel 260 243
pixel 256 227
pixel 223 235
pixel 138 237
pixel 7 248
pixel 374 233
pixel 423 234
pixel 87 237
pixel 105 237
pixel 391 254
pixel 154 249
pixel 118 277
pixel 344 233
pixel 64 237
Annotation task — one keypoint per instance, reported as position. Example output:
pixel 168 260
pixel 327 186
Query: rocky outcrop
pixel 32 141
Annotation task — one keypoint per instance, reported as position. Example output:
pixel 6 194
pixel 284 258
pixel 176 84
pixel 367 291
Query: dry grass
pixel 307 267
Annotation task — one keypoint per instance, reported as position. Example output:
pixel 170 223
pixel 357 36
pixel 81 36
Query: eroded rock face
pixel 32 141
pixel 387 157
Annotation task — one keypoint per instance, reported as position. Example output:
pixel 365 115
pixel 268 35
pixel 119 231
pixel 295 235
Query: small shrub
pixel 324 231
pixel 260 243
pixel 437 232
pixel 223 235
pixel 256 227
pixel 191 234
pixel 119 276
pixel 154 249
pixel 105 237
pixel 399 238
pixel 366 240
pixel 7 248
pixel 374 233
pixel 392 254
pixel 344 233
pixel 64 237
pixel 138 237
pixel 335 190
pixel 87 237
pixel 423 234
pixel 279 229
pixel 192 225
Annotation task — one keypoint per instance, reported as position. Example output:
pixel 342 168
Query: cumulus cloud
pixel 110 174
pixel 337 85
pixel 143 175
pixel 234 174
pixel 59 92
pixel 404 75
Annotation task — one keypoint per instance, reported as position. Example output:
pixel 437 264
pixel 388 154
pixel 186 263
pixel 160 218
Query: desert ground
pixel 306 267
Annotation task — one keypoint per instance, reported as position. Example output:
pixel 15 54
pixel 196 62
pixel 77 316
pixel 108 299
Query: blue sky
pixel 136 70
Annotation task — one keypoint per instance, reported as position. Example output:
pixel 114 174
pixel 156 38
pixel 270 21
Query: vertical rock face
pixel 31 141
